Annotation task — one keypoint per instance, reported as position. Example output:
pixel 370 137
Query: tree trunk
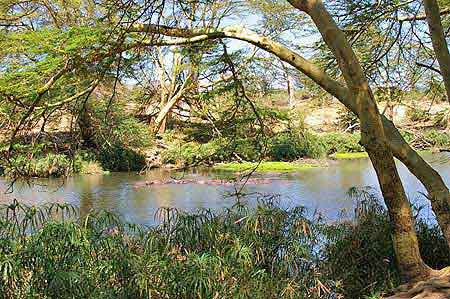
pixel 86 125
pixel 438 192
pixel 291 90
pixel 167 107
pixel 438 39
pixel 374 140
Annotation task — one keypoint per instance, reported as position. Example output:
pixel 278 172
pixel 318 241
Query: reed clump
pixel 240 252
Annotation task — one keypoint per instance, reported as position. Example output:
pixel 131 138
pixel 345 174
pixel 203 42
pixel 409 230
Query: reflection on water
pixel 323 189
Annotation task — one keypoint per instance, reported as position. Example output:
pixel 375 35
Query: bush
pixel 442 119
pixel 120 158
pixel 366 247
pixel 341 143
pixel 292 145
pixel 417 114
pixel 437 138
pixel 192 153
pixel 347 120
pixel 407 135
pixel 49 165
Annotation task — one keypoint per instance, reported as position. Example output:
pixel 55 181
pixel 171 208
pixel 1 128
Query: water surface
pixel 322 189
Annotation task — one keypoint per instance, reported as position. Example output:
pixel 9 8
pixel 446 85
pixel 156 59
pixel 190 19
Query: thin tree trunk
pixel 163 93
pixel 291 90
pixel 374 140
pixel 438 39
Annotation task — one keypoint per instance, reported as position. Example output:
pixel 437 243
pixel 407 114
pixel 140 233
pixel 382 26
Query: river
pixel 320 189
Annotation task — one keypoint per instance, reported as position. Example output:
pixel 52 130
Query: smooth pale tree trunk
pixel 374 140
pixel 163 93
pixel 438 39
pixel 291 90
pixel 167 107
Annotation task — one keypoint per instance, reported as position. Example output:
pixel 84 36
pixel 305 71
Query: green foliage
pixel 292 145
pixel 347 120
pixel 407 135
pixel 119 158
pixel 442 119
pixel 341 143
pixel 85 162
pixel 49 165
pixel 264 166
pixel 417 114
pixel 365 247
pixel 113 124
pixel 265 252
pixel 437 138
pixel 194 153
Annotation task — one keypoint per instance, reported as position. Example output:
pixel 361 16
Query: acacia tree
pixel 379 136
pixel 398 47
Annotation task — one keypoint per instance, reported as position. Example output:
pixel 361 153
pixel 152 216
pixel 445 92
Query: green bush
pixel 417 114
pixel 442 119
pixel 49 165
pixel 437 138
pixel 192 153
pixel 292 145
pixel 341 143
pixel 120 158
pixel 246 148
pixel 407 135
pixel 347 120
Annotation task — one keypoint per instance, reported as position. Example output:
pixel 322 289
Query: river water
pixel 320 189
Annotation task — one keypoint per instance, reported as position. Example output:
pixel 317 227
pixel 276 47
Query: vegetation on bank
pixel 349 156
pixel 284 152
pixel 265 166
pixel 266 252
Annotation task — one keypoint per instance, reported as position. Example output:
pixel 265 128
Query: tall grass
pixel 263 252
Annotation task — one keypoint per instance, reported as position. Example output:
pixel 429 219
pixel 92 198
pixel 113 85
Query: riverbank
pixel 91 162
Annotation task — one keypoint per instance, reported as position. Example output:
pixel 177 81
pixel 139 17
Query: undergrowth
pixel 262 252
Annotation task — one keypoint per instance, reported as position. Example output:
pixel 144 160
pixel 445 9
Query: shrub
pixel 437 138
pixel 407 135
pixel 341 143
pixel 347 120
pixel 366 247
pixel 120 158
pixel 417 114
pixel 49 165
pixel 192 153
pixel 442 119
pixel 292 145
